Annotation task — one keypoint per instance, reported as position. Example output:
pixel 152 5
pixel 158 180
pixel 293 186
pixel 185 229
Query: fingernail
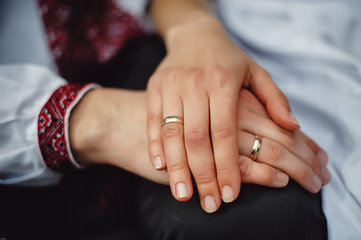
pixel 282 178
pixel 316 183
pixel 158 164
pixel 227 194
pixel 322 156
pixel 181 189
pixel 325 174
pixel 294 120
pixel 209 204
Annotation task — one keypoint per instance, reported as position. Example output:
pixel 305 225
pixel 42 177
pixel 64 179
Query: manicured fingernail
pixel 322 156
pixel 158 163
pixel 181 189
pixel 294 120
pixel 282 178
pixel 325 174
pixel 227 194
pixel 209 204
pixel 316 183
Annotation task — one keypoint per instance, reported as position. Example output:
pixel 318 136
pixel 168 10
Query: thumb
pixel 271 96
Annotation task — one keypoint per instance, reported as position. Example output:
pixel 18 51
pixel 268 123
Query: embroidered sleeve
pixel 53 124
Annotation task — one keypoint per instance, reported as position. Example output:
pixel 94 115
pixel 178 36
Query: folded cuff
pixel 53 122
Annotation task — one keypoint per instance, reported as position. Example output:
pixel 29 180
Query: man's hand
pixel 108 126
pixel 282 152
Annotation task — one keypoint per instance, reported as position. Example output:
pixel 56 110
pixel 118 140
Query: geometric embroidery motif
pixel 51 127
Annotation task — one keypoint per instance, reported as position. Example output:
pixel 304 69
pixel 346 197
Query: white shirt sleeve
pixel 27 81
pixel 24 90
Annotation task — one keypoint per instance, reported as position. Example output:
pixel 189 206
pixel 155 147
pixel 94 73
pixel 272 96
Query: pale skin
pixel 200 80
pixel 106 129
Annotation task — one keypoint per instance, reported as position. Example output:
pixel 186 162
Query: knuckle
pixel 267 177
pixel 275 151
pixel 196 136
pixel 171 130
pixel 153 118
pixel 171 78
pixel 155 142
pixel 227 175
pixel 204 179
pixel 225 171
pixel 316 165
pixel 222 132
pixel 154 81
pixel 304 173
pixel 175 166
pixel 323 158
pixel 166 77
pixel 194 75
pixel 220 76
pixel 244 167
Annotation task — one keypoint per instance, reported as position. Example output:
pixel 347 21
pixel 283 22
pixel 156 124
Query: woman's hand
pixel 200 80
pixel 281 151
pixel 108 126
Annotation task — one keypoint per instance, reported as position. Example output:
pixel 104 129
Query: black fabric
pixel 258 213
pixel 105 202
pixel 96 203
pixel 130 68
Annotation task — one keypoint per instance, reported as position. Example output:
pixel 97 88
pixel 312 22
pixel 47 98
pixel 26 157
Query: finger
pixel 265 127
pixel 199 150
pixel 298 143
pixel 292 141
pixel 247 101
pixel 275 155
pixel 321 154
pixel 261 174
pixel 271 96
pixel 174 150
pixel 154 118
pixel 223 114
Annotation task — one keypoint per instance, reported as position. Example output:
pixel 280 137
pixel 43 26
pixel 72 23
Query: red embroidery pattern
pixel 51 127
pixel 83 32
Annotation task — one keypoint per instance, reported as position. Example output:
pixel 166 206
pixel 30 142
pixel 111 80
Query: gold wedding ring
pixel 172 119
pixel 256 147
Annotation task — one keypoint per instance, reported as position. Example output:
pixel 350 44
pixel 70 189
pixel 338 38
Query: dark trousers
pixel 104 202
pixel 258 213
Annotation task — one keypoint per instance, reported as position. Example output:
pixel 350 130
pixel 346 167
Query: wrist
pixel 103 127
pixel 190 33
pixel 84 128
